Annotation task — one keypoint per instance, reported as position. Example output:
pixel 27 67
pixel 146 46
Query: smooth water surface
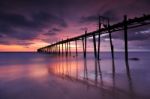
pixel 46 76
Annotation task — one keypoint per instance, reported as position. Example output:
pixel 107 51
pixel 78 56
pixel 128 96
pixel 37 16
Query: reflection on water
pixel 46 76
pixel 91 73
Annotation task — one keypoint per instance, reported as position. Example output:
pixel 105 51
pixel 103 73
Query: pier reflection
pixel 90 73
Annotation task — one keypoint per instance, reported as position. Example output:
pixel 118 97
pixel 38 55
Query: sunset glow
pixel 27 26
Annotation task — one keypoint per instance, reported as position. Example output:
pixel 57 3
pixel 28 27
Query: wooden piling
pixel 94 43
pixel 99 36
pixel 85 39
pixel 62 49
pixel 112 49
pixel 48 49
pixel 66 49
pixel 55 48
pixel 69 49
pixel 84 44
pixel 76 48
pixel 126 43
pixel 59 49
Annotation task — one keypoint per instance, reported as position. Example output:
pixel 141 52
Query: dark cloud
pixel 27 19
pixel 88 19
pixel 18 26
pixel 110 14
pixel 56 29
pixel 15 42
pixel 37 20
pixel 50 33
pixel 53 32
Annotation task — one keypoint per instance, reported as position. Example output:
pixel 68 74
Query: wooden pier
pixel 63 47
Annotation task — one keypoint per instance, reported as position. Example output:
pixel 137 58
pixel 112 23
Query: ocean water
pixel 49 76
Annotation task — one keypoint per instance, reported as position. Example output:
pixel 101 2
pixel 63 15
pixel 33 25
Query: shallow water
pixel 46 76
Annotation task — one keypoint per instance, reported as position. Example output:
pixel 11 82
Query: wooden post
pixel 66 48
pixel 52 49
pixel 69 48
pixel 56 49
pixel 126 43
pixel 62 49
pixel 57 46
pixel 48 50
pixel 59 49
pixel 99 40
pixel 76 48
pixel 112 48
pixel 83 46
pixel 45 50
pixel 94 43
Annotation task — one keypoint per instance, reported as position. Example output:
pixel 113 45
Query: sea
pixel 32 75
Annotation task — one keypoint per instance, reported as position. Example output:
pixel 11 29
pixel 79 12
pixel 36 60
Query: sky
pixel 26 25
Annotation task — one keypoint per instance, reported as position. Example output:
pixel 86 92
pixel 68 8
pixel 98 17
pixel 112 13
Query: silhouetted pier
pixel 63 47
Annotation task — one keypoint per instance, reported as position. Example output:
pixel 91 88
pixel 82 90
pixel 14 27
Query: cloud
pixel 88 19
pixel 20 27
pixel 10 41
pixel 110 14
pixel 53 32
pixel 26 20
pixel 56 29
